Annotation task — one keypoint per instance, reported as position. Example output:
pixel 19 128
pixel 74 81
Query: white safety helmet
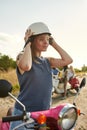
pixel 39 28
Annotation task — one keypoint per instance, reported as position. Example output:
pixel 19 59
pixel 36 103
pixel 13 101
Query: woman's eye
pixel 41 39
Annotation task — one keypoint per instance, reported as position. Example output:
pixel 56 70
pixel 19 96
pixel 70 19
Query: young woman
pixel 34 71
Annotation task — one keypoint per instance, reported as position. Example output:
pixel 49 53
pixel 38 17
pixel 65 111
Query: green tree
pixel 6 62
pixel 84 68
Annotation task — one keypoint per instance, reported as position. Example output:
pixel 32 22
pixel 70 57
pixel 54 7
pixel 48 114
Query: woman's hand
pixel 51 40
pixel 27 37
pixel 28 34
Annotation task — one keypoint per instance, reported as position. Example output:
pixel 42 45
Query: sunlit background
pixel 66 19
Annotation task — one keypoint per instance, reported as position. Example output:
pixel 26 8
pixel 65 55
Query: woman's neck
pixel 38 54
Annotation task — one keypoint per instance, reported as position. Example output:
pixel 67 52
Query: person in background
pixel 34 70
pixel 55 71
pixel 68 74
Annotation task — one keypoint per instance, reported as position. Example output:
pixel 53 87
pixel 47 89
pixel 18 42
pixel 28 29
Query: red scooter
pixel 58 84
pixel 74 82
pixel 61 117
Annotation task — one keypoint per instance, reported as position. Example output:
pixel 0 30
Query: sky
pixel 66 19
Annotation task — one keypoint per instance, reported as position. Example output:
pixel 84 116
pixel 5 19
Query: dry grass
pixel 7 102
pixel 10 76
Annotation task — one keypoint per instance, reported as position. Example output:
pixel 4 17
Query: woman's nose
pixel 46 41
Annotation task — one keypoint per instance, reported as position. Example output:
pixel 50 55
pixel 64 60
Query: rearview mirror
pixel 5 87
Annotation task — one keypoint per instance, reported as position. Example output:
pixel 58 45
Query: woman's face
pixel 41 42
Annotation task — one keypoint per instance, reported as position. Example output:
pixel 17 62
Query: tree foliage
pixel 84 68
pixel 6 62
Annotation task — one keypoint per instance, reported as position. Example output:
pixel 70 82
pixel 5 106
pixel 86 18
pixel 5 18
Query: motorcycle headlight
pixel 67 117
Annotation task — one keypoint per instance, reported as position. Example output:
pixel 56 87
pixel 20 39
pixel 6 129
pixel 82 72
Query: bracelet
pixel 50 41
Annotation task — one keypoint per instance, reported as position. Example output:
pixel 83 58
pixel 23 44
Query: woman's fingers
pixel 28 33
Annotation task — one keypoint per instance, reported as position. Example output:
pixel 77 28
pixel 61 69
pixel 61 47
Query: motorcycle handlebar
pixel 12 118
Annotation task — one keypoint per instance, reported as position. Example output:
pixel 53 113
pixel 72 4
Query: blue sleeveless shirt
pixel 36 86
